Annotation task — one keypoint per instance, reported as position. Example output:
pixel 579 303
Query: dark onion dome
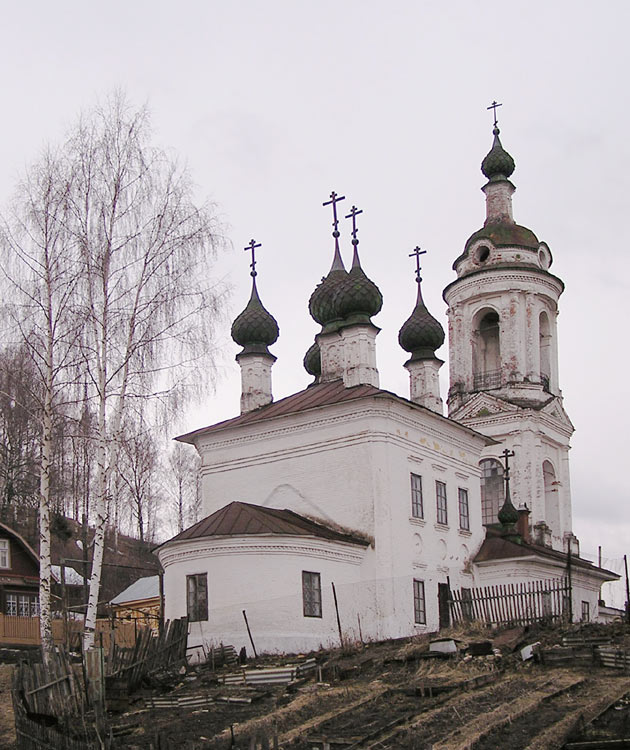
pixel 313 360
pixel 255 329
pixel 508 515
pixel 498 164
pixel 323 302
pixel 505 234
pixel 358 298
pixel 421 334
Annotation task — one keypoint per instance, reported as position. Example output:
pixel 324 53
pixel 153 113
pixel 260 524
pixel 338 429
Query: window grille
pixel 197 597
pixel 417 509
pixel 419 605
pixel 440 495
pixel 311 594
pixel 464 514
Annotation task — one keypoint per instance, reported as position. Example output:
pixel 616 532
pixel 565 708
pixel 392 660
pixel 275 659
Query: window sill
pixel 417 521
pixel 465 532
pixel 441 526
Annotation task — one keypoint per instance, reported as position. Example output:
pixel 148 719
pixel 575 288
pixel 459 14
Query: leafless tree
pixel 182 484
pixel 42 271
pixel 149 300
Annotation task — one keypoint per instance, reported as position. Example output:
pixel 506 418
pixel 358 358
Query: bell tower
pixel 503 352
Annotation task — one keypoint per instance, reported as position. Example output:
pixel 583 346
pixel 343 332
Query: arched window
pixel 552 504
pixel 492 492
pixel 545 349
pixel 487 352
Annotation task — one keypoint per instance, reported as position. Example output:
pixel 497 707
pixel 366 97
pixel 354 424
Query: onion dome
pixel 421 334
pixel 498 164
pixel 255 328
pixel 358 298
pixel 323 302
pixel 313 361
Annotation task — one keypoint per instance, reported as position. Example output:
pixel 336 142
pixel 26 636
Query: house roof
pixel 144 588
pixel 30 551
pixel 245 519
pixel 496 547
pixel 313 397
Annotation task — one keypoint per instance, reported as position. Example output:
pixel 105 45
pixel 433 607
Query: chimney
pixel 522 525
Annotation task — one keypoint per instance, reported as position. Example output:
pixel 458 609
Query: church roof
pixel 313 397
pixel 497 547
pixel 244 519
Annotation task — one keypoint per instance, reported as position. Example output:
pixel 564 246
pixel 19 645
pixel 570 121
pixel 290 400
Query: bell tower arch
pixel 503 351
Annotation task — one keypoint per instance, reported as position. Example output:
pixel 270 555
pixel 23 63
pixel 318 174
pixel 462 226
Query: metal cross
pixel 252 247
pixel 507 455
pixel 494 106
pixel 354 212
pixel 417 252
pixel 334 199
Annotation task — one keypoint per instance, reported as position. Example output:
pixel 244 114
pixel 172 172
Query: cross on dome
pixel 493 107
pixel 252 245
pixel 417 253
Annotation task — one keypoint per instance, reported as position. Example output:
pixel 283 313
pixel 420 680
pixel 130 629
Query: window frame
pixel 417 501
pixel 11 604
pixel 311 594
pixel 586 611
pixel 419 602
pixel 441 507
pixel 197 610
pixel 5 554
pixel 464 509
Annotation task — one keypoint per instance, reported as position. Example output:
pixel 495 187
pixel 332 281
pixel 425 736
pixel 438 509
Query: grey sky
pixel 274 104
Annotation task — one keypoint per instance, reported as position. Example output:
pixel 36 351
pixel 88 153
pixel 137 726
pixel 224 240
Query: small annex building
pixel 346 511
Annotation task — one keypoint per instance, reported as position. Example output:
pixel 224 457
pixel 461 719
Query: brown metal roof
pixel 244 519
pixel 500 548
pixel 323 394
pixel 310 398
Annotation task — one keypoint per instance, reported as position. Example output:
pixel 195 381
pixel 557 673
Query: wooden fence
pixel 55 706
pixel 24 631
pixel 513 603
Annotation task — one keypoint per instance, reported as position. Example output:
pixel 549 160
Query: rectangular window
pixel 464 516
pixel 4 554
pixel 311 594
pixel 440 496
pixel 197 597
pixel 417 509
pixel 24 605
pixel 419 608
pixel 586 612
pixel 11 605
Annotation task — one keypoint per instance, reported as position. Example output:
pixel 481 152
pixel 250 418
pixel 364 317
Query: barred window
pixel 197 597
pixel 419 606
pixel 311 594
pixel 440 496
pixel 464 514
pixel 11 605
pixel 4 554
pixel 417 509
pixel 492 491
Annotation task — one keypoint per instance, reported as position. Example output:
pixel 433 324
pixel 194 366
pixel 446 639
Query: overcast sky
pixel 273 104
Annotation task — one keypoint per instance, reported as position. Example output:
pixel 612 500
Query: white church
pixel 347 511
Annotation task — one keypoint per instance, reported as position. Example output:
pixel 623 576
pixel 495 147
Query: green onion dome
pixel 358 298
pixel 498 164
pixel 255 328
pixel 323 302
pixel 313 360
pixel 421 334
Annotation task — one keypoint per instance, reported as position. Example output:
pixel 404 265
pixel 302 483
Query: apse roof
pixel 245 519
pixel 315 396
pixel 500 548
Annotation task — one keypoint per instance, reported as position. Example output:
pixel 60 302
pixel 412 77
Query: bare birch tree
pixel 183 484
pixel 148 300
pixel 42 270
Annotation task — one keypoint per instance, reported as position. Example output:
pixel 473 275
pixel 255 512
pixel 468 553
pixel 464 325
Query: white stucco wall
pixel 348 465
